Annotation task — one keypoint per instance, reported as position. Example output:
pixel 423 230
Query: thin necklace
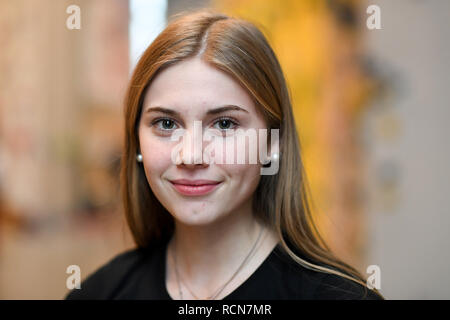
pixel 221 288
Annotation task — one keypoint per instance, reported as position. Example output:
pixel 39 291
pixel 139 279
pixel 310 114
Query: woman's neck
pixel 207 256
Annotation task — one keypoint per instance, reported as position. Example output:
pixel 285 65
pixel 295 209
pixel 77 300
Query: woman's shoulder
pixel 309 284
pixel 336 287
pixel 104 282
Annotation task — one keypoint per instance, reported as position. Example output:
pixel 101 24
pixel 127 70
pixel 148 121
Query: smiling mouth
pixel 196 188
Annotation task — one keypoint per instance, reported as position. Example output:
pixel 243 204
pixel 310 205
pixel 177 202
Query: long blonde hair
pixel 238 48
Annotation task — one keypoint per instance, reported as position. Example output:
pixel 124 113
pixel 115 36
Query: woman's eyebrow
pixel 217 110
pixel 225 108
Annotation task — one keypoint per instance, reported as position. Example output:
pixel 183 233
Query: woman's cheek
pixel 156 156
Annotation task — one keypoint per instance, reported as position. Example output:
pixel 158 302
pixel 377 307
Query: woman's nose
pixel 191 158
pixel 191 153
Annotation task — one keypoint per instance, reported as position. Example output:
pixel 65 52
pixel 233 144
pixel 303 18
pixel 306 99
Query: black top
pixel 141 273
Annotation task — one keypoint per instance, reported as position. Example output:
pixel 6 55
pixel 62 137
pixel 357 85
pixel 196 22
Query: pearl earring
pixel 275 156
pixel 139 157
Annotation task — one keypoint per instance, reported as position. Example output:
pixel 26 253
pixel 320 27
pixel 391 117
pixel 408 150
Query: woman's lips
pixel 195 188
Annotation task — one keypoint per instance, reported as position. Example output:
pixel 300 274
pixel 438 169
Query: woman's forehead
pixel 193 84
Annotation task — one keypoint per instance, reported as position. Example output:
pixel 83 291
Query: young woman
pixel 209 229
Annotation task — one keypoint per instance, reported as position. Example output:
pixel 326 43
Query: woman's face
pixel 188 91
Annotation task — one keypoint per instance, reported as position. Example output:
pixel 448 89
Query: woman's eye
pixel 169 124
pixel 224 124
pixel 165 124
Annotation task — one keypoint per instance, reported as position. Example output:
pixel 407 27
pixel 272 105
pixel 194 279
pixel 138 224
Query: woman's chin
pixel 194 217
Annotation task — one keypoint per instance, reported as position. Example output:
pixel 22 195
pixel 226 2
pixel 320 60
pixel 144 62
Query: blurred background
pixel 371 106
